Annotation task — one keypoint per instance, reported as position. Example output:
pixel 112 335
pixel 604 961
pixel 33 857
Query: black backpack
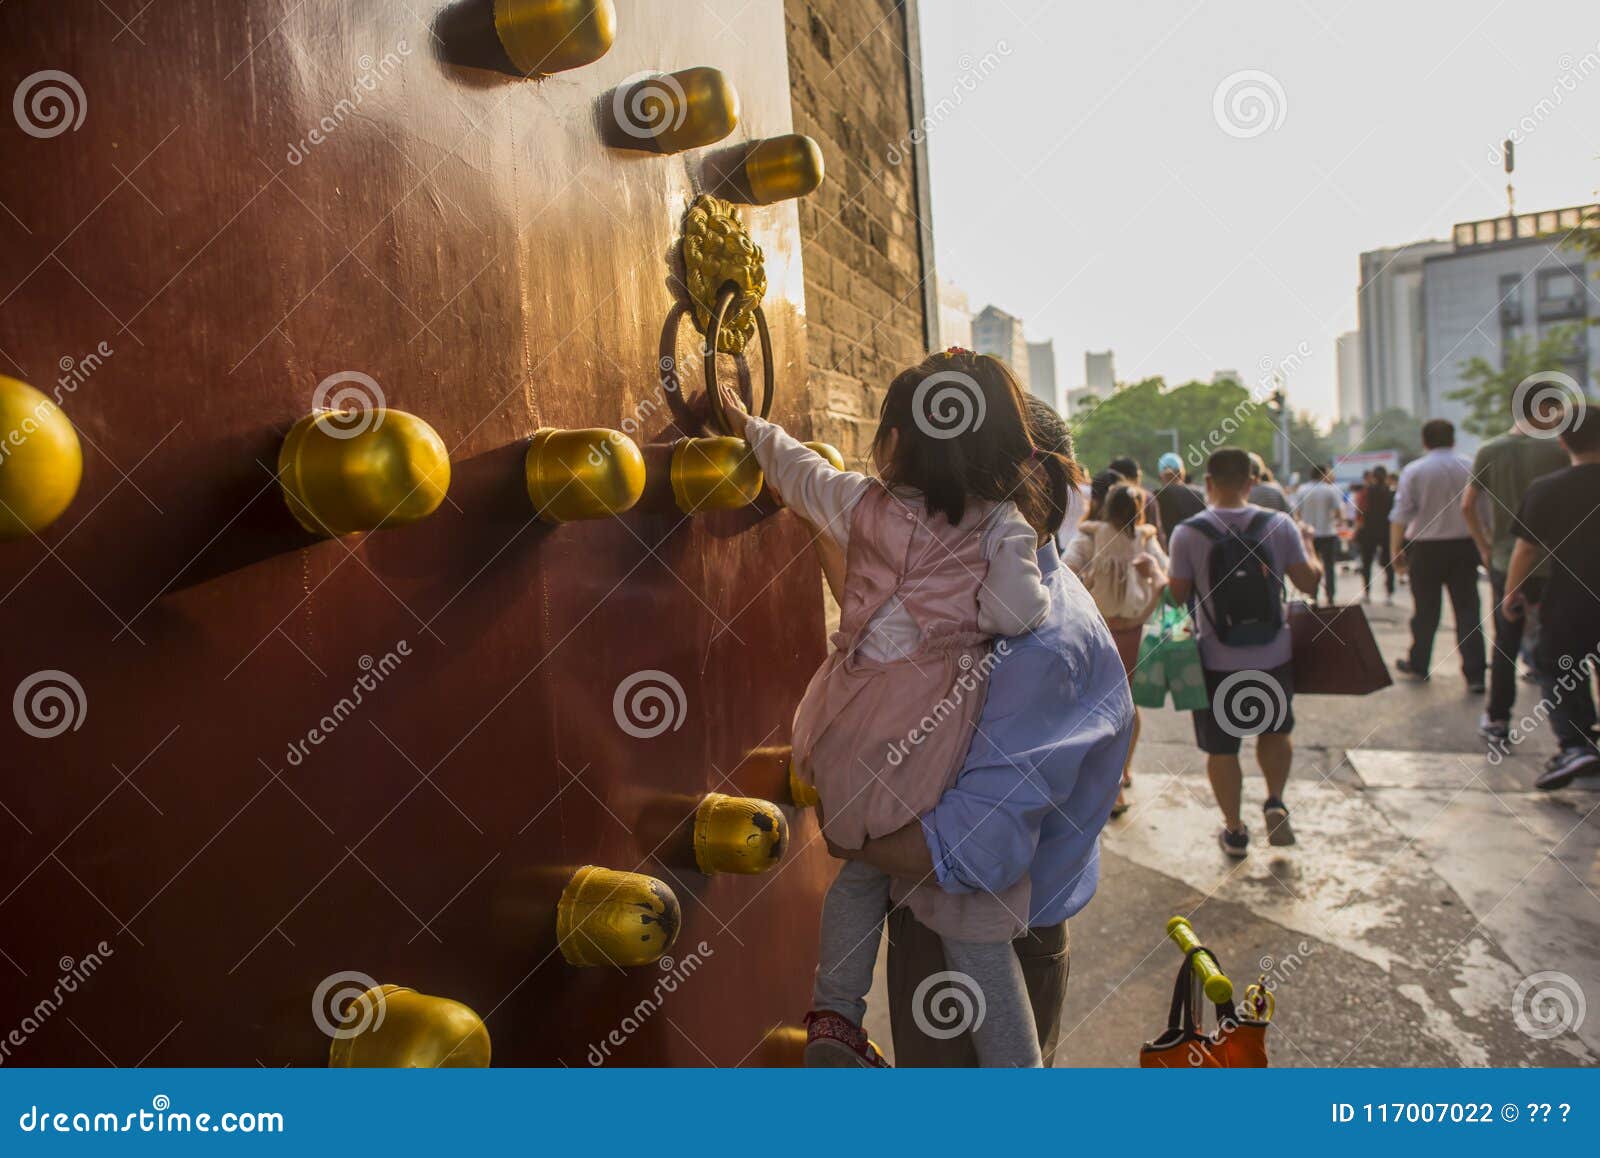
pixel 1245 600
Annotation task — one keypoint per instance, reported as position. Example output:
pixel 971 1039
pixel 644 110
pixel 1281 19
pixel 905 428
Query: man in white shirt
pixel 1429 537
pixel 1320 505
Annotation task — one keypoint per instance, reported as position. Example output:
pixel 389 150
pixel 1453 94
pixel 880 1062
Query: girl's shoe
pixel 833 1041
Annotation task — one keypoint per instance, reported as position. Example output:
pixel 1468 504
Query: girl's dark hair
pixel 1122 509
pixel 1099 489
pixel 963 435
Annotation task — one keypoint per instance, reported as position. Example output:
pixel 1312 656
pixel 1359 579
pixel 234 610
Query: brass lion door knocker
pixel 726 278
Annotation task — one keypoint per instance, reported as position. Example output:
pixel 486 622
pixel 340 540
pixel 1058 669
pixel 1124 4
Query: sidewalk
pixel 1426 886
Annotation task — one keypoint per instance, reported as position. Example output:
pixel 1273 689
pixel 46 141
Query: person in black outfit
pixel 1377 500
pixel 1177 499
pixel 1557 520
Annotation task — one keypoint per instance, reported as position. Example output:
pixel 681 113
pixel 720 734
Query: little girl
pixel 1110 555
pixel 938 560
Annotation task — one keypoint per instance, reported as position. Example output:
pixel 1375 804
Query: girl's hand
pixel 732 405
pixel 1145 565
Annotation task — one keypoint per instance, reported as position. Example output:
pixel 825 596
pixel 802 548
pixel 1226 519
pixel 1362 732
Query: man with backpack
pixel 1229 565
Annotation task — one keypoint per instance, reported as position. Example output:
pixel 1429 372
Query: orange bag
pixel 1238 1043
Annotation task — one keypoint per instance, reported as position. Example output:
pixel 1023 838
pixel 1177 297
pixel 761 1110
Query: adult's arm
pixel 1180 564
pixel 1300 561
pixel 1470 496
pixel 1397 545
pixel 1405 509
pixel 1525 556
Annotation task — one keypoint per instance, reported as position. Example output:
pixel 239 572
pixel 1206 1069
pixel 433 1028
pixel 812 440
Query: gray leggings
pixel 990 999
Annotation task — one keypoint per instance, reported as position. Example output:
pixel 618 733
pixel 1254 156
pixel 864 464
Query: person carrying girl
pixel 939 560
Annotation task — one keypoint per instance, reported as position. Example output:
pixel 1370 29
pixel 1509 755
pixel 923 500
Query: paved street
pixel 1426 885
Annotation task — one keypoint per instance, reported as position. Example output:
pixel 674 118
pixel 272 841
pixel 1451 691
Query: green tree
pixel 1394 429
pixel 1489 388
pixel 1140 420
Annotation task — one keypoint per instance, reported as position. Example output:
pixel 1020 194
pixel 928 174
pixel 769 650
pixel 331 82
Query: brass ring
pixel 725 298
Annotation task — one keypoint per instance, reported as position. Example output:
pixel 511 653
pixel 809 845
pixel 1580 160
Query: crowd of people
pixel 1518 511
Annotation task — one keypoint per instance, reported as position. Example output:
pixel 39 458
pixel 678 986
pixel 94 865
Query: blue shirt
pixel 1045 763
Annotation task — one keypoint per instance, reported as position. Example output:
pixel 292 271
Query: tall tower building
pixel 996 332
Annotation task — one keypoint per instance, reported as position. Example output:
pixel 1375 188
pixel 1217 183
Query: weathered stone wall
pixel 860 233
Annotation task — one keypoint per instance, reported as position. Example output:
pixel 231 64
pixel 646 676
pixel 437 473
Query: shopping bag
pixel 1169 661
pixel 1186 677
pixel 1335 653
pixel 1149 679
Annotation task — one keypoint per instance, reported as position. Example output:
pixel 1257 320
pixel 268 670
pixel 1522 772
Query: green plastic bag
pixel 1169 661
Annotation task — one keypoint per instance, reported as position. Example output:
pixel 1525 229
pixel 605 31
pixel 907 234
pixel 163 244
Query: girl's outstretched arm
pixel 807 482
pixel 1013 598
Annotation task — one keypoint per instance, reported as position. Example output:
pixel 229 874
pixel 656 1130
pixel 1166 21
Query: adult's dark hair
pixel 1438 433
pixel 1380 474
pixel 961 435
pixel 1099 489
pixel 1582 435
pixel 1058 460
pixel 1229 466
pixel 1128 468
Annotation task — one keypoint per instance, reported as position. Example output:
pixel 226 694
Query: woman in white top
pixel 1120 560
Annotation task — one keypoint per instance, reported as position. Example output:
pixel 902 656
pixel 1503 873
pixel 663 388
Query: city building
pixel 1099 372
pixel 1352 399
pixel 1084 399
pixel 1502 280
pixel 1042 372
pixel 996 332
pixel 1389 302
pixel 955 316
pixel 1220 376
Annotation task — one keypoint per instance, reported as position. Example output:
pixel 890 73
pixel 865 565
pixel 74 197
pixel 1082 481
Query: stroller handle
pixel 1216 983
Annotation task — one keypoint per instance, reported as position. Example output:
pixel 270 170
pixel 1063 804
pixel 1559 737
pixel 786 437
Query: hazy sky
pixel 1082 181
